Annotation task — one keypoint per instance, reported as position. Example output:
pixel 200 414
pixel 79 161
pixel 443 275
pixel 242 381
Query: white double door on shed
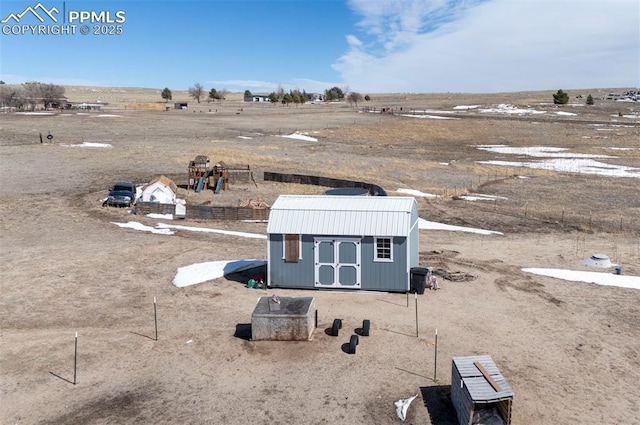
pixel 337 262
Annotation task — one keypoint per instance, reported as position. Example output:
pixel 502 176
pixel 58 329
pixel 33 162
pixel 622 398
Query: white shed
pixel 160 190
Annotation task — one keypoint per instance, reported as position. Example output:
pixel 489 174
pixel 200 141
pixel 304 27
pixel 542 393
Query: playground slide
pixel 219 185
pixel 200 184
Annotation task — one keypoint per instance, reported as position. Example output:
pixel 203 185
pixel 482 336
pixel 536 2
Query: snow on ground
pixel 88 145
pixel 565 113
pixel 35 113
pixel 480 197
pixel 466 107
pixel 582 166
pixel 161 216
pixel 538 151
pixel 209 230
pixel 599 278
pixel 202 272
pixel 301 137
pixel 139 226
pixel 416 193
pixel 106 116
pixel 505 108
pixel 431 225
pixel 560 161
pixel 244 137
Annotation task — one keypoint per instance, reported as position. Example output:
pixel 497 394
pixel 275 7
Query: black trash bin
pixel 418 279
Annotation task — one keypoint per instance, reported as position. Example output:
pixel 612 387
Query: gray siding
pixel 375 276
pixel 288 274
pixel 385 276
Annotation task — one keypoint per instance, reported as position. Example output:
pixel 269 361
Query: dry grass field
pixel 569 350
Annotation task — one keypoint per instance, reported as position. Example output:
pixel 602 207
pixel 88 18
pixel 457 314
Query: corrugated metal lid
pixel 479 388
pixel 342 215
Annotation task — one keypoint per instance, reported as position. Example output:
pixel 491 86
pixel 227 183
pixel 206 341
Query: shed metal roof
pixel 342 215
pixel 479 388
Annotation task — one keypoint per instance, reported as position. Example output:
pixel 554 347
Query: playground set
pixel 202 176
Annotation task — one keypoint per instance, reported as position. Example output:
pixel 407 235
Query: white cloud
pixel 493 46
pixel 352 40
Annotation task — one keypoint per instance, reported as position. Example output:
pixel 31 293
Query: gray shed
pixel 344 242
pixel 477 387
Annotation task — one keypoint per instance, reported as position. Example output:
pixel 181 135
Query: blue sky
pixel 369 46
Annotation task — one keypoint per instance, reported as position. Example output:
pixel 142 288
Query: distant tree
pixel 334 93
pixel 589 100
pixel 196 92
pixel 297 97
pixel 213 94
pixel 354 98
pixel 273 97
pixel 166 94
pixel 12 95
pixel 280 92
pixel 287 98
pixel 50 93
pixel 560 98
pixel 247 93
pixel 32 94
pixel 367 98
pixel 222 94
pixel 1 82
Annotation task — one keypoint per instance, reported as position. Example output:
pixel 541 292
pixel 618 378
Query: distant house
pixel 342 242
pixel 315 97
pixel 180 105
pixel 160 190
pixel 257 98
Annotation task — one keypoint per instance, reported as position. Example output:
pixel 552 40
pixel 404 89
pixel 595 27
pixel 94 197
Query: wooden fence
pixel 206 212
pixel 373 189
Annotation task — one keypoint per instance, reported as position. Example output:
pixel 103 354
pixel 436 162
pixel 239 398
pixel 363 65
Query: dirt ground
pixel 570 351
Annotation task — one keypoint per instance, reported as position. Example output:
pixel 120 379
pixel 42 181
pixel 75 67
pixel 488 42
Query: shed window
pixel 292 248
pixel 383 250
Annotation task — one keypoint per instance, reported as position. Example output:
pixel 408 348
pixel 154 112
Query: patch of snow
pixel 416 193
pixel 107 116
pixel 35 113
pixel 582 166
pixel 599 278
pixel 208 230
pixel 443 163
pixel 538 151
pixel 480 197
pixel 506 108
pixel 202 272
pixel 565 113
pixel 465 107
pixel 88 145
pixel 244 137
pixel 139 226
pixel 161 216
pixel 301 137
pixel 431 225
